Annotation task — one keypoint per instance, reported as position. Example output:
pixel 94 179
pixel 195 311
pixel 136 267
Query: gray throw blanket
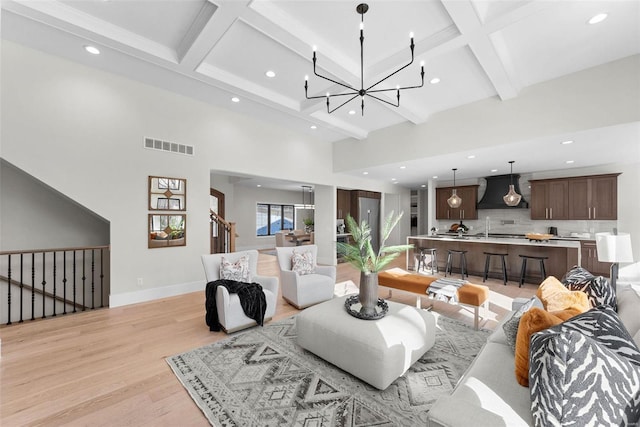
pixel 252 300
pixel 446 289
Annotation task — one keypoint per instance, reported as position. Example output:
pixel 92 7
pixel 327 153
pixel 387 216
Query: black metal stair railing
pixel 59 283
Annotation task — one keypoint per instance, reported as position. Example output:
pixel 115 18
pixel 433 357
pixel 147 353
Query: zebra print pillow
pixel 597 288
pixel 585 371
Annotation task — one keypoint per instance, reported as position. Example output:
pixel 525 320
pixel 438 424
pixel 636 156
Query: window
pixel 271 218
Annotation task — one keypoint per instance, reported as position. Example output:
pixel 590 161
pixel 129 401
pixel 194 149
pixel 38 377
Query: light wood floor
pixel 107 367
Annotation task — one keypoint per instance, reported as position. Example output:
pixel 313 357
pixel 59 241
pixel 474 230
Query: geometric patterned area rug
pixel 261 377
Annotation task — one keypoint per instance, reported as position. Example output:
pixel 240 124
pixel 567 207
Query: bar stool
pixel 422 259
pixel 541 259
pixel 463 262
pixel 487 261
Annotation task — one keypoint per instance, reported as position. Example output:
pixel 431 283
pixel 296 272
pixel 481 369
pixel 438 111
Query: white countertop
pixel 503 241
pixel 343 234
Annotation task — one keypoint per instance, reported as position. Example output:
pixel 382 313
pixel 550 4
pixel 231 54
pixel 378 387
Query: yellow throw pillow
pixel 535 320
pixel 556 297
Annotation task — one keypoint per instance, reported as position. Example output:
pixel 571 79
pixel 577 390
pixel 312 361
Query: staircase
pixel 223 234
pixel 42 283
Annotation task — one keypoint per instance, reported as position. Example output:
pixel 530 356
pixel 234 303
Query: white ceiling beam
pixel 72 20
pixel 212 31
pixel 466 19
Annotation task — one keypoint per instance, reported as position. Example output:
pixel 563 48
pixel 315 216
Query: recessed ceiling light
pixel 92 50
pixel 396 182
pixel 597 18
pixel 365 173
pixel 393 179
pixel 494 170
pixel 423 185
pixel 352 112
pixel 471 156
pixel 270 74
pixel 434 81
pixel 403 167
pixel 569 162
pixel 567 142
pixel 435 177
pixel 314 127
pixel 235 99
pixel 259 185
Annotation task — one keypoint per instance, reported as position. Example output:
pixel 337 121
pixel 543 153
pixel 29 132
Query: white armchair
pixel 305 290
pixel 230 313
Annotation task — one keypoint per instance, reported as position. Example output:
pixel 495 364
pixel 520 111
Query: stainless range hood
pixel 497 187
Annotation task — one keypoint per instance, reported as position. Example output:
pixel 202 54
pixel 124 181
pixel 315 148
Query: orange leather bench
pixel 469 294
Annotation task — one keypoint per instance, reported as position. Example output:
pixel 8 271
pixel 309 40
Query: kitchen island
pixel 562 254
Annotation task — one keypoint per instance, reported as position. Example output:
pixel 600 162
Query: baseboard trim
pixel 151 294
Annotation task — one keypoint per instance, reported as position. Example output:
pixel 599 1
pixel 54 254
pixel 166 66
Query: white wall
pixel 597 97
pixel 81 132
pixel 34 216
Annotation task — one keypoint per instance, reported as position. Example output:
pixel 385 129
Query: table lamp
pixel 614 248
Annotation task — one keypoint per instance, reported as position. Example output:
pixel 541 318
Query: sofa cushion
pixel 605 325
pixel 238 271
pixel 597 288
pixel 586 371
pixel 303 262
pixel 629 311
pixel 531 322
pixel 556 297
pixel 510 326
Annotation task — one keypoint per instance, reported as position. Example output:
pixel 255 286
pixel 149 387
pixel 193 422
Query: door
pixel 443 211
pixel 217 240
pixel 604 197
pixel 557 199
pixel 579 206
pixel 539 209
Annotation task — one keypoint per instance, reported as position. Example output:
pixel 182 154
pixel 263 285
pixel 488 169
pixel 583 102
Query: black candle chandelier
pixel 362 92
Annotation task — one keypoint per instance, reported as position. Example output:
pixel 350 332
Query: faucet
pixel 487 225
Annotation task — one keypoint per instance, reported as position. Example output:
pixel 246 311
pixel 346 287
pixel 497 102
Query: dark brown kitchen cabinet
pixel 589 252
pixel 575 198
pixel 593 197
pixel 467 209
pixel 549 199
pixel 343 203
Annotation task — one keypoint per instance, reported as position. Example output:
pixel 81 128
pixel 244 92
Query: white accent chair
pixel 305 290
pixel 230 313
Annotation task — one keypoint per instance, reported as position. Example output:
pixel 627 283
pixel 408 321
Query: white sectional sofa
pixel 488 393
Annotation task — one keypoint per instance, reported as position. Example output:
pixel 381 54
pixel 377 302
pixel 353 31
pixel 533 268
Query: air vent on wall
pixel 171 147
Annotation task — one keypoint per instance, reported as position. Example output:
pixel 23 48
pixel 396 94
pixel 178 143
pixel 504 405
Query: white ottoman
pixel 376 351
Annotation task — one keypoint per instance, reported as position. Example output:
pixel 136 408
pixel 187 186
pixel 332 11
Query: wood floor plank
pixel 107 367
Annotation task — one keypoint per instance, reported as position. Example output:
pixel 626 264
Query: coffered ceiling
pixel 216 50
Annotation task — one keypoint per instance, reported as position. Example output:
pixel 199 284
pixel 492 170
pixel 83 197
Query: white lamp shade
pixel 614 247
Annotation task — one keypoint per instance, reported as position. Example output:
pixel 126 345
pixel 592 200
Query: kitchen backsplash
pixel 518 221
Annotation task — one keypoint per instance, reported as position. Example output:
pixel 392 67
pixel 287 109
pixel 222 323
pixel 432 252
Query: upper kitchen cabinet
pixel 343 203
pixel 549 199
pixel 575 198
pixel 593 197
pixel 467 210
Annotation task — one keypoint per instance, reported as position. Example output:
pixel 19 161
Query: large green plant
pixel 360 253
